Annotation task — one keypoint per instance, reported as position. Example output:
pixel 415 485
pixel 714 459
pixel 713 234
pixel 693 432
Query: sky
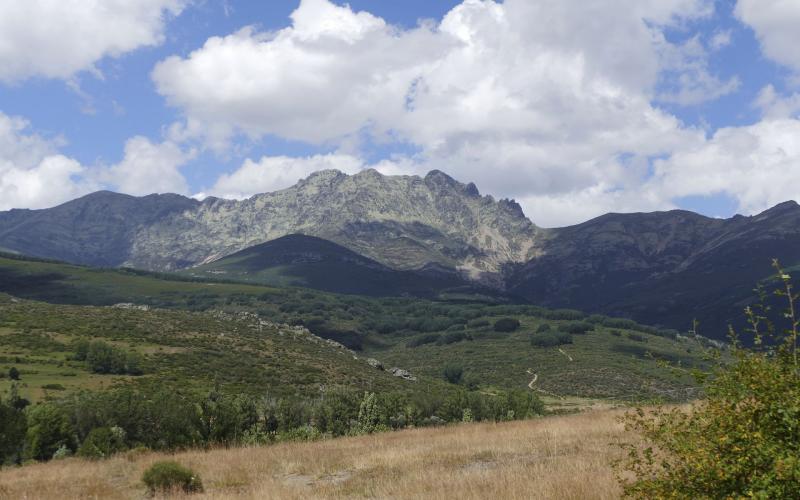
pixel 574 108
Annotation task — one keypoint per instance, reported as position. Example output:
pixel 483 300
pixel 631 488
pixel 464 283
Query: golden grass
pixel 555 457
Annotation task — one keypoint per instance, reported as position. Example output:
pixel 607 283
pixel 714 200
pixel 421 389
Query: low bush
pixel 550 339
pixel 103 442
pixel 169 476
pixel 453 373
pixel 544 327
pixel 743 439
pixel 577 327
pixel 506 325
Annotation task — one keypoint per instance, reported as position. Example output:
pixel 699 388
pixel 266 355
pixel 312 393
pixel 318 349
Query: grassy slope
pixel 604 365
pixel 189 350
pixel 552 458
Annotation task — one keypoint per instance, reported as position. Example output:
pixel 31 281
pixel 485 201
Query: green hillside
pixel 184 339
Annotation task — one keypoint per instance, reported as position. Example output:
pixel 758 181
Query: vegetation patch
pixel 169 476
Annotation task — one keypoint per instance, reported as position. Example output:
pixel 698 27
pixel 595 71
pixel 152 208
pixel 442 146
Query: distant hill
pixel 307 261
pixel 662 268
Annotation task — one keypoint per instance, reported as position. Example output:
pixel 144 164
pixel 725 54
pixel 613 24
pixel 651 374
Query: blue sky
pixel 573 108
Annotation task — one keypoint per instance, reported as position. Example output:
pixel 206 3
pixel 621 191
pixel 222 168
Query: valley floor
pixel 553 457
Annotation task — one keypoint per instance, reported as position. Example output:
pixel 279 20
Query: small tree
pixel 48 430
pixel 370 415
pixel 453 373
pixel 12 430
pixel 13 373
pixel 743 440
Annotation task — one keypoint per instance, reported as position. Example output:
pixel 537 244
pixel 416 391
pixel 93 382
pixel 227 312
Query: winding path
pixel 535 378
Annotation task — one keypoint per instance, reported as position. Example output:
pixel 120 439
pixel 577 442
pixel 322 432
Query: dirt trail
pixel 565 354
pixel 535 378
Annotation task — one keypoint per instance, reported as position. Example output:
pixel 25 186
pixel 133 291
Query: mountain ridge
pixel 659 267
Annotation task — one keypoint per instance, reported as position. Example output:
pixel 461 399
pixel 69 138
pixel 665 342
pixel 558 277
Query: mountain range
pixel 376 234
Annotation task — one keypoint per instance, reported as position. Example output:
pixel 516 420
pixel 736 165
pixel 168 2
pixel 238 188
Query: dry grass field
pixel 553 458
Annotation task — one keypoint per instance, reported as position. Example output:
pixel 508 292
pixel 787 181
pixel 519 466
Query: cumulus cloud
pixel 775 23
pixel 149 168
pixel 57 39
pixel 272 173
pixel 34 174
pixel 758 165
pixel 774 105
pixel 525 98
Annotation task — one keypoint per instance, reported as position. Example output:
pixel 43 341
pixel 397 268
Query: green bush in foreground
pixel 167 476
pixel 743 440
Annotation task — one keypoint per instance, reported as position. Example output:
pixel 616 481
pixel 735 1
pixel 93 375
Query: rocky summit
pixel 404 222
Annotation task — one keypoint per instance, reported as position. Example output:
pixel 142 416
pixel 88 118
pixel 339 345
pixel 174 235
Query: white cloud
pixel 776 24
pixel 758 165
pixel 57 39
pixel 32 173
pixel 272 173
pixel 774 105
pixel 524 98
pixel 686 76
pixel 149 168
pixel 721 39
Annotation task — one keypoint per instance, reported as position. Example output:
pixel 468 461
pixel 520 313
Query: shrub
pixel 550 339
pixel 104 358
pixel 616 333
pixel 577 327
pixel 12 429
pixel 453 373
pixel 506 325
pixel 544 327
pixel 13 373
pixel 371 416
pixel 48 430
pixel 168 476
pixel 103 442
pixel 743 440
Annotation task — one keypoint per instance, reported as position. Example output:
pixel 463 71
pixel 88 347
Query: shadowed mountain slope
pixel 299 260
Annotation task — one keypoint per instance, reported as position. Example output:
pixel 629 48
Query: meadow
pixel 557 457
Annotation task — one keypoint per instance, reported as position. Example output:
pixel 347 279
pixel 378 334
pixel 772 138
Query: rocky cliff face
pixel 98 229
pixel 404 222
